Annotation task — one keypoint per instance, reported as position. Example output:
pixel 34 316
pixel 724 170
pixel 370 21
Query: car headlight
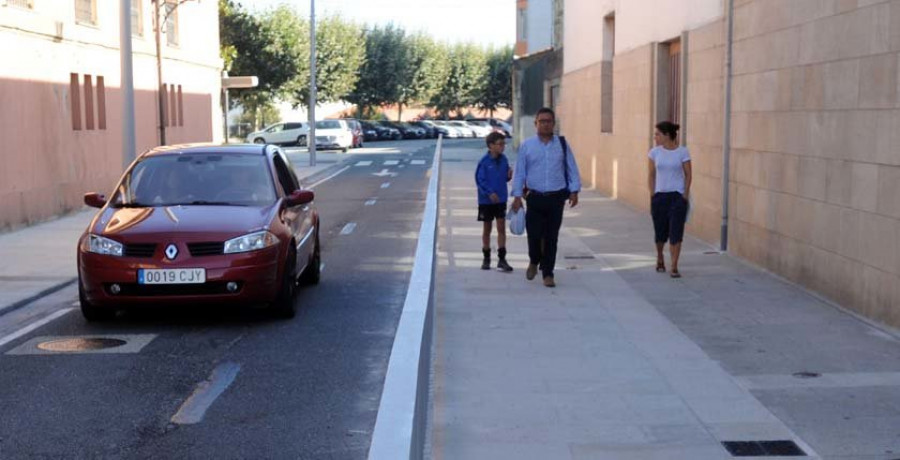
pixel 251 242
pixel 106 246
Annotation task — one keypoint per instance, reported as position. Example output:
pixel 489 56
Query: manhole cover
pixel 807 375
pixel 80 344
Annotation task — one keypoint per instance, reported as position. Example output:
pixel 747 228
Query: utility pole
pixel 127 71
pixel 161 97
pixel 311 136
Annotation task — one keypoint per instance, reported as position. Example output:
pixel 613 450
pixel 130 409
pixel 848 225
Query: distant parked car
pixel 395 133
pixel 193 225
pixel 410 131
pixel 291 133
pixel 446 129
pixel 464 129
pixel 333 134
pixel 498 125
pixel 356 129
pixel 430 129
pixel 481 128
pixel 370 132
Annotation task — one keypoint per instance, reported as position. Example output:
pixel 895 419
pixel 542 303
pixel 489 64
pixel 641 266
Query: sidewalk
pixel 41 259
pixel 620 362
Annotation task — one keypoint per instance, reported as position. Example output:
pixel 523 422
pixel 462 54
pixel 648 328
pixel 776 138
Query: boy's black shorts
pixel 489 212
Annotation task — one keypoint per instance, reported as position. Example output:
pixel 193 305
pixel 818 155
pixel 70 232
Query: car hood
pixel 223 220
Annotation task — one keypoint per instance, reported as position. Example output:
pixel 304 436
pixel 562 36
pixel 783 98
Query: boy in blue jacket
pixel 491 176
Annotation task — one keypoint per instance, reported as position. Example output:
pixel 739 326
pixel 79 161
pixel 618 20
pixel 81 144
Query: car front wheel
pixel 313 271
pixel 284 307
pixel 301 140
pixel 259 140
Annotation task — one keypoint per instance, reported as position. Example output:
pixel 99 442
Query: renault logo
pixel 171 251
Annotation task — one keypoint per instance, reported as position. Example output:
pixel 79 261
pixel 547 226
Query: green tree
pixel 425 70
pixel 270 47
pixel 340 52
pixel 497 90
pixel 464 81
pixel 380 76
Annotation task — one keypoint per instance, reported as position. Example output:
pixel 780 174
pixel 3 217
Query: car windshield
pixel 197 179
pixel 328 124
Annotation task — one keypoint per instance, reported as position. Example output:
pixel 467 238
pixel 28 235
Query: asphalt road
pixel 302 388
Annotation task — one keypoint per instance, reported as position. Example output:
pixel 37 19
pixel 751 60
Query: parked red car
pixel 200 224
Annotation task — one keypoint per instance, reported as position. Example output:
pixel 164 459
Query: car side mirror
pixel 299 197
pixel 94 200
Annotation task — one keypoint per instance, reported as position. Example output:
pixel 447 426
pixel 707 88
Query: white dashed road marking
pixel 193 410
pixel 386 185
pixel 417 162
pixel 327 178
pixel 363 163
pixel 391 163
pixel 370 202
pixel 348 229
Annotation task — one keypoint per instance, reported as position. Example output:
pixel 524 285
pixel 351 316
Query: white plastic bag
pixel 516 221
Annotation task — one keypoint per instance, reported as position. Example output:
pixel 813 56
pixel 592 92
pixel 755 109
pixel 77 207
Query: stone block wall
pixel 815 163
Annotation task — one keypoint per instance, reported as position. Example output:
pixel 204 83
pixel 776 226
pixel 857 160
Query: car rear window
pixel 328 124
pixel 197 179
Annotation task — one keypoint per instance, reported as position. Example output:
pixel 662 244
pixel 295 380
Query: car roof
pixel 209 147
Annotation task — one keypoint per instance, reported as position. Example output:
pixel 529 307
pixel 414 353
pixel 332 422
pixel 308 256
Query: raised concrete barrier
pixel 400 426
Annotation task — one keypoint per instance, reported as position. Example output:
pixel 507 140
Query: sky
pixel 483 22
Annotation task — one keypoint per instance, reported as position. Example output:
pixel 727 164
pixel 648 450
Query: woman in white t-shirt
pixel 670 187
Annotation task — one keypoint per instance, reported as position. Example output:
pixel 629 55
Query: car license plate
pixel 171 275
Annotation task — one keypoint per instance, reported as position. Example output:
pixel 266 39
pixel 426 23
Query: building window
pixel 86 11
pixel 88 103
pixel 137 18
pixel 101 103
pixel 173 106
pixel 171 24
pixel 180 108
pixel 674 104
pixel 606 77
pixel 164 100
pixel 27 4
pixel 668 82
pixel 75 96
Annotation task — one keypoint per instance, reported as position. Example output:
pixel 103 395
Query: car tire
pixel 301 141
pixel 344 149
pixel 259 140
pixel 313 272
pixel 91 312
pixel 283 306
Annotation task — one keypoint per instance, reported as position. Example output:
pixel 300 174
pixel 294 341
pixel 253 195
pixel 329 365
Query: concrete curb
pixel 399 431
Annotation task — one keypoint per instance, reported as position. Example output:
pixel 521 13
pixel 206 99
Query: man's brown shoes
pixel 548 281
pixel 531 272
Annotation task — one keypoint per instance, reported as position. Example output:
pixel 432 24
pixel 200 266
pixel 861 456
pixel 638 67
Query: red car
pixel 200 224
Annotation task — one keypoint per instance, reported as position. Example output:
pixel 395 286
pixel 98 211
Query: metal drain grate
pixel 580 257
pixel 763 449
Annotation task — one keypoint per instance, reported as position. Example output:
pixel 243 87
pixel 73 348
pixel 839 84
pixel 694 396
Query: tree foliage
pixel 497 91
pixel 340 51
pixel 369 67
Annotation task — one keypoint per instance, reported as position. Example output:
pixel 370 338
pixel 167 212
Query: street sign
pixel 239 82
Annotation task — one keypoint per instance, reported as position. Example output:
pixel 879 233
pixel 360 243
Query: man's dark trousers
pixel 543 217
